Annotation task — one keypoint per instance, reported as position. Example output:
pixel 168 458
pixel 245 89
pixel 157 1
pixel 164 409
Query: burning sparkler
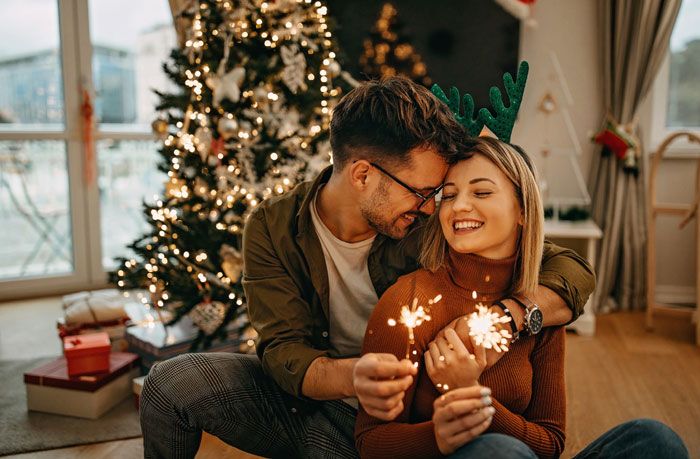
pixel 413 317
pixel 482 326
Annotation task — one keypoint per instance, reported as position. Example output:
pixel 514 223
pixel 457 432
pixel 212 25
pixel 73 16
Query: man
pixel 316 261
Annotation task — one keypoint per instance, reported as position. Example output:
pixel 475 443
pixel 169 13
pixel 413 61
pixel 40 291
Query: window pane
pixel 131 39
pixel 128 175
pixel 31 93
pixel 684 84
pixel 34 210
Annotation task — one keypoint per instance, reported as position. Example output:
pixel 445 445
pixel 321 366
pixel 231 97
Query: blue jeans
pixel 638 439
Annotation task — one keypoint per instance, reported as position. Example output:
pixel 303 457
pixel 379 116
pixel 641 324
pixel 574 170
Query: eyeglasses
pixel 424 197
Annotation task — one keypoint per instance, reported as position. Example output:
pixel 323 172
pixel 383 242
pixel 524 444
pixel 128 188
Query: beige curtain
pixel 177 7
pixel 635 37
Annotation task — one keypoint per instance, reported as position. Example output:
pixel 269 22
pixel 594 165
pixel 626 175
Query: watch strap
pixel 513 327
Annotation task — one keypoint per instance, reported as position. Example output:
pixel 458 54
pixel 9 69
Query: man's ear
pixel 358 173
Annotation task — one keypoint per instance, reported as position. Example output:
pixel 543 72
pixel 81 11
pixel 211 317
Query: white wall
pixel 570 29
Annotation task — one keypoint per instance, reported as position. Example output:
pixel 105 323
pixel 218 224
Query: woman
pixel 487 238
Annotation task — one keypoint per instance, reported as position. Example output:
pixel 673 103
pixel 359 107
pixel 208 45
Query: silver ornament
pixel 227 127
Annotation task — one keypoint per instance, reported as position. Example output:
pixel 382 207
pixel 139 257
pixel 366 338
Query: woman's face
pixel 479 212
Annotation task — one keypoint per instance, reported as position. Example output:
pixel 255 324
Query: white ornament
pixel 294 72
pixel 208 315
pixel 227 127
pixel 226 85
pixel 203 138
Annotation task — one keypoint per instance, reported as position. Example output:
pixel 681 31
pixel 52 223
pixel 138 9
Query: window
pixel 683 107
pixel 674 102
pixel 60 232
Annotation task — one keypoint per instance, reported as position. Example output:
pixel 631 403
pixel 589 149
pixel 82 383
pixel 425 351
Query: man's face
pixel 390 207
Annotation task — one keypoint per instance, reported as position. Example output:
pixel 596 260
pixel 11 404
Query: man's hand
pixel 449 363
pixel 380 382
pixel 460 416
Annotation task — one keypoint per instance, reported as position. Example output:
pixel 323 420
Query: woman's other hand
pixel 461 415
pixel 449 363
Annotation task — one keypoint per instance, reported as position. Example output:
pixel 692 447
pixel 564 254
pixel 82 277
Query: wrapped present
pixel 51 390
pixel 154 341
pixel 86 354
pixel 137 388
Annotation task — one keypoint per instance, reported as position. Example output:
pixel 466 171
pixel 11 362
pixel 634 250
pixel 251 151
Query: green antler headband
pixel 502 123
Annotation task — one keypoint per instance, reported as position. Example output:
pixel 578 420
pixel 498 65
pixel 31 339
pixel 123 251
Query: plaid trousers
pixel 228 395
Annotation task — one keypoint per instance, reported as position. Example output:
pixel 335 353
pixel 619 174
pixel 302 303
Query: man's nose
pixel 428 207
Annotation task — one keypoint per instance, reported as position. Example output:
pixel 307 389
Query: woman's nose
pixel 463 203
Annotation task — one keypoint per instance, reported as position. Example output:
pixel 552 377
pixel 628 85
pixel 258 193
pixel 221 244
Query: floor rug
pixel 22 431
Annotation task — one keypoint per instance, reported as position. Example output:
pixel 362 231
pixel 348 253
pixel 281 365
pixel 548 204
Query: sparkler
pixel 482 326
pixel 413 317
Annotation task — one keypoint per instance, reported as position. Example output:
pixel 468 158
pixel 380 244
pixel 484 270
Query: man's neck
pixel 340 212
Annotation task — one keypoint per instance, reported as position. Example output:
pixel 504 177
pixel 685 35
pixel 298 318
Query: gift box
pixel 86 354
pixel 137 388
pixel 51 390
pixel 155 342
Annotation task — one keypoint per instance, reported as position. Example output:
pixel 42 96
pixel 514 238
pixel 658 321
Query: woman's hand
pixel 449 363
pixel 460 416
pixel 461 326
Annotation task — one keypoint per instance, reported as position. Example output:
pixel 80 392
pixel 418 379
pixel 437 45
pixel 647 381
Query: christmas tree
pixel 258 81
pixel 388 52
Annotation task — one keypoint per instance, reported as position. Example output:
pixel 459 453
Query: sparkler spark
pixel 412 317
pixel 482 326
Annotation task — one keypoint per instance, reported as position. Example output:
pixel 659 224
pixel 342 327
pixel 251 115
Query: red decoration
pixel 87 112
pixel 217 146
pixel 614 140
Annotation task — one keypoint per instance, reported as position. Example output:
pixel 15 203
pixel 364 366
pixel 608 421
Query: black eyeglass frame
pixel 424 198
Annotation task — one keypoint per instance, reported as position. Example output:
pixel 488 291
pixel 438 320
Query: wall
pixel 569 28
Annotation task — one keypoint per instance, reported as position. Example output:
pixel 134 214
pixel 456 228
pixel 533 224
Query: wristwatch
pixel 533 319
pixel 513 328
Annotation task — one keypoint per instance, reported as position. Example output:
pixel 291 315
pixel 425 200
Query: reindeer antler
pixel 502 123
pixel 467 120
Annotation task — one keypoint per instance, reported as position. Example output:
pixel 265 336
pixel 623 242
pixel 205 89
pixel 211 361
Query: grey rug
pixel 22 431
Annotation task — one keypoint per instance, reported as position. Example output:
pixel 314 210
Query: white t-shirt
pixel 351 293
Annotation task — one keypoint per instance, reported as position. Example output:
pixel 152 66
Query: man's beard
pixel 375 212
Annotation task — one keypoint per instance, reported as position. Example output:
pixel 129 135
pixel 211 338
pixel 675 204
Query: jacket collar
pixel 304 214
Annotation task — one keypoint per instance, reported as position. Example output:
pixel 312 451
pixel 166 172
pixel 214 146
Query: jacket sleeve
pixel 542 425
pixel 568 275
pixel 277 310
pixel 375 438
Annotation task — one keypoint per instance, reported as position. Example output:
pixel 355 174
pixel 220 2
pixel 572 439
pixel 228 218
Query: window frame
pixel 84 201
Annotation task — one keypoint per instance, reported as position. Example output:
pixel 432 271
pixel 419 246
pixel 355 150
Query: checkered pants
pixel 229 396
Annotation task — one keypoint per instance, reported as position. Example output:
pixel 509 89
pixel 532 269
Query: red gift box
pixel 87 354
pixel 51 390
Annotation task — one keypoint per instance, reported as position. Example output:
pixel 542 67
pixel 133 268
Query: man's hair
pixel 383 120
pixel 517 167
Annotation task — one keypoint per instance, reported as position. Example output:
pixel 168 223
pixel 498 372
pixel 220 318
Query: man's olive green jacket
pixel 286 282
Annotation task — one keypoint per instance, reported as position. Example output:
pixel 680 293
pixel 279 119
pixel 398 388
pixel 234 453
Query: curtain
pixel 635 37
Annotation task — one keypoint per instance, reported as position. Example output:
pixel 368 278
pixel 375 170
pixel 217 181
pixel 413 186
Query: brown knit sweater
pixel 527 383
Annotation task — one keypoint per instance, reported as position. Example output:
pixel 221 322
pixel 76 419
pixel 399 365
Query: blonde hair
pixel 516 166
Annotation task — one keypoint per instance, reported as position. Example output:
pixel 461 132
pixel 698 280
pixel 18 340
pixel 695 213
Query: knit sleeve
pixel 375 438
pixel 542 425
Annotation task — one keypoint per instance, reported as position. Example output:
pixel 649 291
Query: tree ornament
pixel 208 315
pixel 232 262
pixel 294 72
pixel 226 85
pixel 160 128
pixel 203 139
pixel 227 127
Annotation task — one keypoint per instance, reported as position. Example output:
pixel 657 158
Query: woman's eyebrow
pixel 481 179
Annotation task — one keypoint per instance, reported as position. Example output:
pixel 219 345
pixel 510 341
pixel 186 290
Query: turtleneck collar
pixel 487 276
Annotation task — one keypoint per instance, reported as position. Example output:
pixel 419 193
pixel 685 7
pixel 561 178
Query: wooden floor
pixel 621 374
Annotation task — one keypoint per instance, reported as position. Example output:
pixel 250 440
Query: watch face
pixel 534 324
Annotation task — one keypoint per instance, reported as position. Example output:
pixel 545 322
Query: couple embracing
pixel 415 207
